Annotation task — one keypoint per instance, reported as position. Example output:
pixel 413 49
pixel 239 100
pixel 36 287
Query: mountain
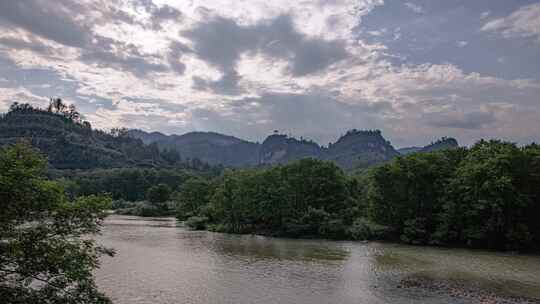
pixel 210 147
pixel 281 149
pixel 441 144
pixel 409 150
pixel 360 149
pixel 354 149
pixel 70 143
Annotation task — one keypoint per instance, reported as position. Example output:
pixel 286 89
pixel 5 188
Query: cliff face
pixel 360 149
pixel 280 149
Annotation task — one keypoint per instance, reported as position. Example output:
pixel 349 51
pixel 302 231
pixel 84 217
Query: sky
pixel 417 70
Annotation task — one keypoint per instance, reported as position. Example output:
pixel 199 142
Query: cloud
pixel 72 24
pixel 50 20
pixel 414 7
pixel 176 52
pixel 469 120
pixel 110 53
pixel 523 23
pixel 276 38
pixel 310 68
pixel 313 115
pixel 227 84
pixel 161 15
pixel 20 95
pixel 31 44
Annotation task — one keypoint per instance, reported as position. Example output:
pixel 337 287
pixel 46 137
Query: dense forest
pixel 486 196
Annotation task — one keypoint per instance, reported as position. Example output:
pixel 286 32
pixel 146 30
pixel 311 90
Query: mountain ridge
pixel 354 149
pixel 71 143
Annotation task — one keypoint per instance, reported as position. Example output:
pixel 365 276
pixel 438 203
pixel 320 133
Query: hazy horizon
pixel 417 70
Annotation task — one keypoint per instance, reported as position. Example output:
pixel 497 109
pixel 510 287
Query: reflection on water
pixel 158 262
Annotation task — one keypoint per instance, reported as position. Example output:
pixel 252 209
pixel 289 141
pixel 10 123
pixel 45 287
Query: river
pixel 158 262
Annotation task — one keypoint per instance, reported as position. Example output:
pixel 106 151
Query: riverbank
pixel 200 224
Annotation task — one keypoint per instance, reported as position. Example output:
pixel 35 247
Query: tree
pixel 193 195
pixel 73 114
pixel 43 256
pixel 487 203
pixel 158 194
pixel 56 105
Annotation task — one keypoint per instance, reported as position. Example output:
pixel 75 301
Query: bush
pixel 143 209
pixel 197 222
pixel 415 231
pixel 122 204
pixel 364 229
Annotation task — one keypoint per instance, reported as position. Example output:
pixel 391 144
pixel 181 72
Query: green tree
pixel 194 195
pixel 407 193
pixel 487 201
pixel 44 257
pixel 159 194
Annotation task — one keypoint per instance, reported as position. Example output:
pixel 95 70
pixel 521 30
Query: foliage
pixel 365 229
pixel 44 257
pixel 158 194
pixel 197 222
pixel 194 194
pixel 486 196
pixel 129 184
pixel 305 198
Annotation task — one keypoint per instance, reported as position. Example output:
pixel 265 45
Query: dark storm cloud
pixel 471 120
pixel 221 42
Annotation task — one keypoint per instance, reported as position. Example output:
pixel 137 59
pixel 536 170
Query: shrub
pixel 364 229
pixel 197 222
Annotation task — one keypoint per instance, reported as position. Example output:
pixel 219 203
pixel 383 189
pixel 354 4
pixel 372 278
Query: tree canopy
pixel 45 256
pixel 486 196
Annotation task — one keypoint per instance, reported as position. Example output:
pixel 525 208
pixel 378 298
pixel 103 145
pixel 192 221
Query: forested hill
pixel 71 143
pixel 441 144
pixel 210 147
pixel 355 149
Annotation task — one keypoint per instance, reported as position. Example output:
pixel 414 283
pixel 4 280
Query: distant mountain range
pixel 73 144
pixel 355 149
